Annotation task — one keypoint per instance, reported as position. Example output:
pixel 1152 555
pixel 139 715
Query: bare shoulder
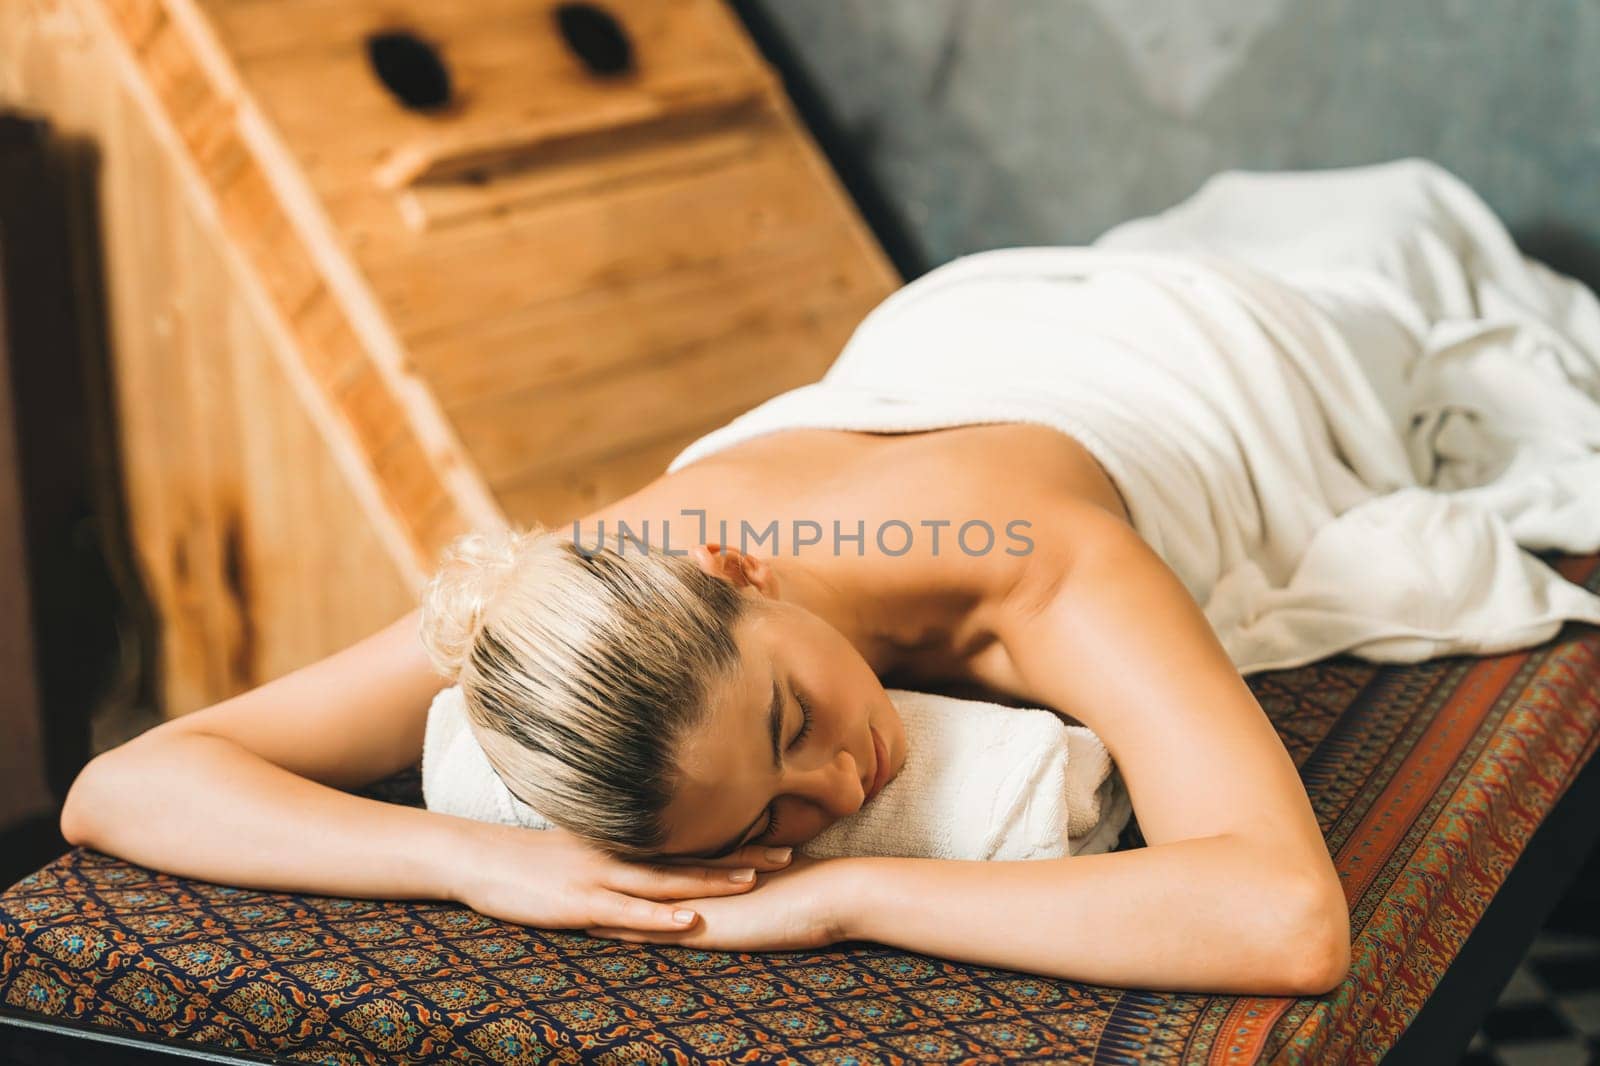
pixel 1064 533
pixel 1024 600
pixel 1038 462
pixel 1114 639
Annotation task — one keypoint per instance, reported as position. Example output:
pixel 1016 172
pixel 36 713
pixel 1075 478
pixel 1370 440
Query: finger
pixel 665 882
pixel 616 910
pixel 638 936
pixel 757 855
pixel 630 935
pixel 764 858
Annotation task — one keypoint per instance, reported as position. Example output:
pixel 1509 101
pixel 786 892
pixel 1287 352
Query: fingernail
pixel 748 873
pixel 683 916
pixel 778 854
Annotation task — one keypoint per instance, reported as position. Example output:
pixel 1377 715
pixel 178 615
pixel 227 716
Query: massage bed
pixel 1429 778
pixel 1438 785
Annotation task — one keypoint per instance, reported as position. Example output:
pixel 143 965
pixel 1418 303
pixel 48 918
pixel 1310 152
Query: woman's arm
pixel 1199 915
pixel 1236 890
pixel 249 792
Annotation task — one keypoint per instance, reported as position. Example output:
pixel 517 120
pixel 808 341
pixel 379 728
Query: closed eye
pixel 805 720
pixel 805 729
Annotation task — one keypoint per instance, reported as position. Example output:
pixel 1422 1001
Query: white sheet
pixel 1339 404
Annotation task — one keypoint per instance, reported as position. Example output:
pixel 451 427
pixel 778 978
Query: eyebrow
pixel 774 736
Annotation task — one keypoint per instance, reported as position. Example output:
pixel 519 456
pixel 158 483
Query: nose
pixel 835 786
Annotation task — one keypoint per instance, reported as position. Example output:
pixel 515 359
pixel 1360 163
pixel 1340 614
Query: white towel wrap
pixel 1337 403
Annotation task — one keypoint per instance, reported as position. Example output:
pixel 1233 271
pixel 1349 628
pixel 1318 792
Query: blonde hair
pixel 582 668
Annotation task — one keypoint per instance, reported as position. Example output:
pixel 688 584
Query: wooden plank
pixel 557 496
pixel 516 434
pixel 690 32
pixel 558 174
pixel 247 537
pixel 317 572
pixel 612 330
pixel 671 224
pixel 282 241
pixel 504 77
pixel 475 152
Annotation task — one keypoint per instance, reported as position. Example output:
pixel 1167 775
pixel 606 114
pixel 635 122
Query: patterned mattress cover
pixel 1428 779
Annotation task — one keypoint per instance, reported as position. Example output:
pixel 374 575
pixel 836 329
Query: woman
pixel 688 715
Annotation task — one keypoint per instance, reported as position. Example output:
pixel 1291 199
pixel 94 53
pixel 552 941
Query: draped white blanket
pixel 1339 404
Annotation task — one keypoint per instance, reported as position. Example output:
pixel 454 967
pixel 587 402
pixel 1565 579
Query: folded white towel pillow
pixel 980 781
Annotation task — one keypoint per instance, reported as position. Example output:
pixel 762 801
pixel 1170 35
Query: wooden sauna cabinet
pixel 381 272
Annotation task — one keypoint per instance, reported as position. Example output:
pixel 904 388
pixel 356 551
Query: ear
pixel 733 565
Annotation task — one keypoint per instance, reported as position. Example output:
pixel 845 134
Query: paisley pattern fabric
pixel 1428 780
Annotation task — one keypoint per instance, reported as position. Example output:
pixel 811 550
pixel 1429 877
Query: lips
pixel 880 767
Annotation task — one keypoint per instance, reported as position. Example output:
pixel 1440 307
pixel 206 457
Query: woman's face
pixel 801 678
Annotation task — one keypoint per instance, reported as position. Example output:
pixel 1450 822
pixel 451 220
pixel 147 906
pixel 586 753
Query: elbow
pixel 82 809
pixel 76 808
pixel 1317 938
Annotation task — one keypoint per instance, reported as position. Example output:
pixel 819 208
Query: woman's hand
pixel 554 879
pixel 800 907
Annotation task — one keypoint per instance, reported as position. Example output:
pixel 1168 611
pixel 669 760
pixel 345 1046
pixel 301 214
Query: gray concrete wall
pixel 998 122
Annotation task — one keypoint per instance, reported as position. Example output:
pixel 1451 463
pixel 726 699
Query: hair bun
pixel 472 570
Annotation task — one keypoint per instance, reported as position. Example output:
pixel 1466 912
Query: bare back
pixel 1013 478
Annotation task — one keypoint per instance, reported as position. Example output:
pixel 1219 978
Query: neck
pixel 864 620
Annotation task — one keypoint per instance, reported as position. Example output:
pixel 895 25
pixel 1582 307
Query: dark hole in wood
pixel 596 38
pixel 410 68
